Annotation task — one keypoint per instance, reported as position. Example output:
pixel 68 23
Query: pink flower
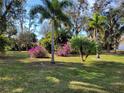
pixel 38 52
pixel 64 50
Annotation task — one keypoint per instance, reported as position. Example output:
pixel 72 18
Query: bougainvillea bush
pixel 38 52
pixel 64 50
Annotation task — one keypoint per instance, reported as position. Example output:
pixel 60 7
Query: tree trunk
pixel 115 51
pixel 97 56
pixel 82 60
pixel 115 45
pixel 86 56
pixel 97 41
pixel 27 47
pixel 108 48
pixel 52 45
pixel 21 26
pixel 94 35
pixel 81 55
pixel 19 49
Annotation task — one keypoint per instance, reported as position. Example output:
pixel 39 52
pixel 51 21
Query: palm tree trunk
pixel 115 51
pixel 52 45
pixel 97 48
pixel 115 45
pixel 21 25
pixel 94 34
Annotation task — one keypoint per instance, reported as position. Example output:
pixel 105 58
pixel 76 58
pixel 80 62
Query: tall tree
pixel 8 12
pixel 78 15
pixel 96 24
pixel 113 28
pixel 52 10
pixel 102 5
pixel 25 40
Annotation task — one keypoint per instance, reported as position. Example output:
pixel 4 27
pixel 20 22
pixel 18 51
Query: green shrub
pixel 46 42
pixel 4 42
pixel 84 46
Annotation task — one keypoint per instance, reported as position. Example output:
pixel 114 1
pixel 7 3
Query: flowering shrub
pixel 64 50
pixel 38 52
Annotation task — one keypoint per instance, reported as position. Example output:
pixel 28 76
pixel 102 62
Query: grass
pixel 20 74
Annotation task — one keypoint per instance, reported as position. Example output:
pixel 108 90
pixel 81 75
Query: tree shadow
pixel 14 55
pixel 62 77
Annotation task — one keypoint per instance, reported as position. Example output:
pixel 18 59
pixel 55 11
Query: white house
pixel 121 45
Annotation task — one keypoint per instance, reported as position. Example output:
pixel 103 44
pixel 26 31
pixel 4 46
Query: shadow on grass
pixel 62 77
pixel 14 56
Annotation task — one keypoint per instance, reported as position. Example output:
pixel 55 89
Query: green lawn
pixel 20 74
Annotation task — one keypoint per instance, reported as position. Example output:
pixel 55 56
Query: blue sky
pixel 31 3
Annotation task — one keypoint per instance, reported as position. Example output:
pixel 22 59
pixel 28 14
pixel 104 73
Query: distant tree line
pixel 102 23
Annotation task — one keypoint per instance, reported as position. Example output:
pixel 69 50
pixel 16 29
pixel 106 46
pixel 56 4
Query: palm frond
pixel 65 19
pixel 122 29
pixel 65 3
pixel 55 4
pixel 49 5
pixel 41 10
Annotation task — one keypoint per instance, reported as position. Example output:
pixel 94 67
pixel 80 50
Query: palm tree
pixel 52 10
pixel 96 23
pixel 113 27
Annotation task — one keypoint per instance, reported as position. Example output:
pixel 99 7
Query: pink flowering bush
pixel 38 52
pixel 64 50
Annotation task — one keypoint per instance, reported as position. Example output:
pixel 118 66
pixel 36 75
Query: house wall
pixel 121 45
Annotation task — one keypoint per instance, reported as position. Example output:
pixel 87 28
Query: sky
pixel 31 3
